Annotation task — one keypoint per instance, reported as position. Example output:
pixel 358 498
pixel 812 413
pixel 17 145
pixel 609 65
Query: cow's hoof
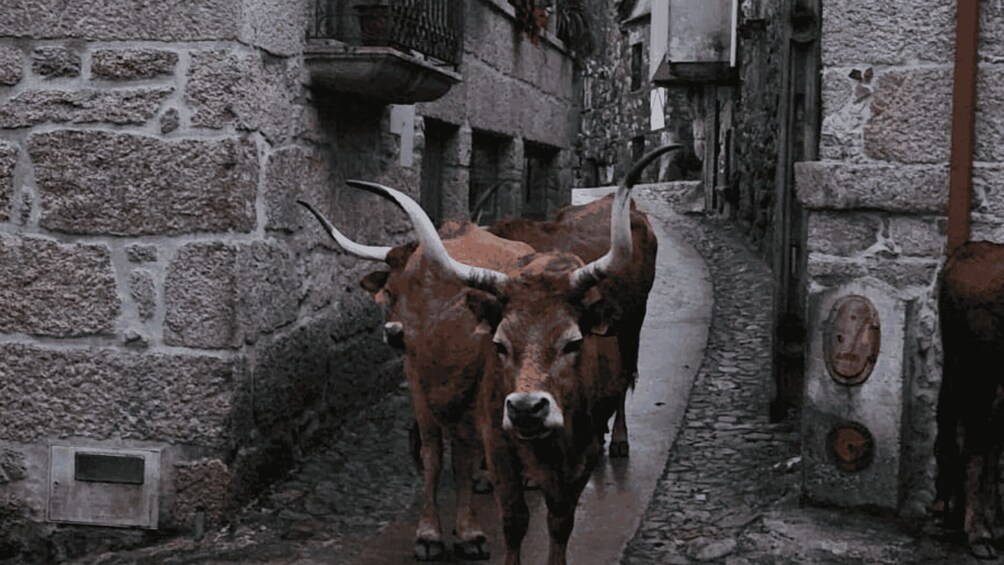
pixel 482 486
pixel 474 550
pixel 429 550
pixel 982 549
pixel 530 484
pixel 619 449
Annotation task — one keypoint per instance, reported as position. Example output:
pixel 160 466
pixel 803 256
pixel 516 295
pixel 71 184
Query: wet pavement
pixel 725 491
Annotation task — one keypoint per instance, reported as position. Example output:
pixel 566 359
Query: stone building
pixel 174 329
pixel 623 113
pixel 839 128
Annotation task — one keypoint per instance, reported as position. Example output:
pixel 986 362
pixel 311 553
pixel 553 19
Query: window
pixel 486 153
pixel 438 136
pixel 636 66
pixel 637 148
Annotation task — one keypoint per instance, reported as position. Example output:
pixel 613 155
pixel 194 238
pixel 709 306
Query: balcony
pixel 394 51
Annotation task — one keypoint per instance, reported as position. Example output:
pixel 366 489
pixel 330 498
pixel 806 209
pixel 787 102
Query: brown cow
pixel 584 231
pixel 427 317
pixel 971 402
pixel 554 379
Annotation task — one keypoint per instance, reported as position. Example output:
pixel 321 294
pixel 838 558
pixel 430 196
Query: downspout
pixel 963 122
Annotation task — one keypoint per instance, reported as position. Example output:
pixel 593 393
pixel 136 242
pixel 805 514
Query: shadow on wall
pixel 302 387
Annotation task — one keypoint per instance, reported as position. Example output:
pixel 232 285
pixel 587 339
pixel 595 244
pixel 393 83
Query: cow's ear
pixel 375 281
pixel 398 256
pixel 486 308
pixel 599 316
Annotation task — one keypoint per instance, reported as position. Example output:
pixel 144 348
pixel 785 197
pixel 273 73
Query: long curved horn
pixel 427 236
pixel 620 223
pixel 476 212
pixel 370 252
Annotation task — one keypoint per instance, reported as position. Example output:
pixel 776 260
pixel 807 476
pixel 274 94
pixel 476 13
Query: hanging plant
pixel 570 18
pixel 531 18
pixel 572 26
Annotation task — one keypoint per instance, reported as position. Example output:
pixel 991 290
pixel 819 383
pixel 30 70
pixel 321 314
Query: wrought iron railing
pixel 433 28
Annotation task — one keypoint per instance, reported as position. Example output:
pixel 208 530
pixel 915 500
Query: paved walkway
pixel 727 493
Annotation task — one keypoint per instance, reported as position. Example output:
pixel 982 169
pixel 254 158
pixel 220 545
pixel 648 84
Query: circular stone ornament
pixel 851 340
pixel 851 445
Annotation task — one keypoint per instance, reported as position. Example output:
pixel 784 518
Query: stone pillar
pixel 510 196
pixel 457 176
pixel 853 413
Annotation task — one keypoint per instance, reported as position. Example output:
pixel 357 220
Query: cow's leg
pixel 979 516
pixel 978 437
pixel 472 542
pixel 429 536
pixel 619 446
pixel 561 502
pixel 629 342
pixel 508 484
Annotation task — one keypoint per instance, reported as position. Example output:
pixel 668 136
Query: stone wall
pixel 159 286
pixel 756 121
pixel 514 90
pixel 614 114
pixel 877 199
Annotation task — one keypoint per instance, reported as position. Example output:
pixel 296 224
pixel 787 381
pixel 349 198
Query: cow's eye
pixel 573 346
pixel 501 349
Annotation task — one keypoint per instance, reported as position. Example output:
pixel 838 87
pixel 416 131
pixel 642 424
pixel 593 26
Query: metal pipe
pixel 963 122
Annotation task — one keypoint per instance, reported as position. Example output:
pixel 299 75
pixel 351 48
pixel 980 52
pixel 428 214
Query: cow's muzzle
pixel 393 334
pixel 531 415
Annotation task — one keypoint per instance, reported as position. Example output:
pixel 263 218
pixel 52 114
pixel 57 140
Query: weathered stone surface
pixel 201 485
pixel 218 295
pixel 267 288
pixel 8 158
pixel 901 274
pixel 132 64
pixel 917 236
pixel 842 234
pixel 834 185
pixel 295 173
pixel 144 293
pixel 200 294
pixel 169 120
pixel 55 62
pixel 897 33
pixel 274 25
pixel 992 31
pixel 109 183
pixel 989 135
pixel 82 106
pixel 911 116
pixel 231 87
pixel 140 253
pixel 100 393
pixel 910 119
pixel 53 289
pixel 846 104
pixel 11 65
pixel 114 20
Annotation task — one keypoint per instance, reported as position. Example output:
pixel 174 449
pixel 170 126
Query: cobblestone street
pixel 729 492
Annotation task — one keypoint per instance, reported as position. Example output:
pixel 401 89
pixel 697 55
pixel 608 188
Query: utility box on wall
pixel 104 487
pixel 701 42
pixel 852 415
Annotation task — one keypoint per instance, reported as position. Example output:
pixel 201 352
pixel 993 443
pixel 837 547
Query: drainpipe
pixel 963 122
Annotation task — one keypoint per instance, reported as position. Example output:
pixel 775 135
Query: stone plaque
pixel 853 336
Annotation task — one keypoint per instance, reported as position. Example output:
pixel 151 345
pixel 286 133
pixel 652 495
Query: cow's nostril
pixel 540 406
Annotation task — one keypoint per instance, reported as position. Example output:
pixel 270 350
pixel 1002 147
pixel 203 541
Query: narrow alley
pixel 709 479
